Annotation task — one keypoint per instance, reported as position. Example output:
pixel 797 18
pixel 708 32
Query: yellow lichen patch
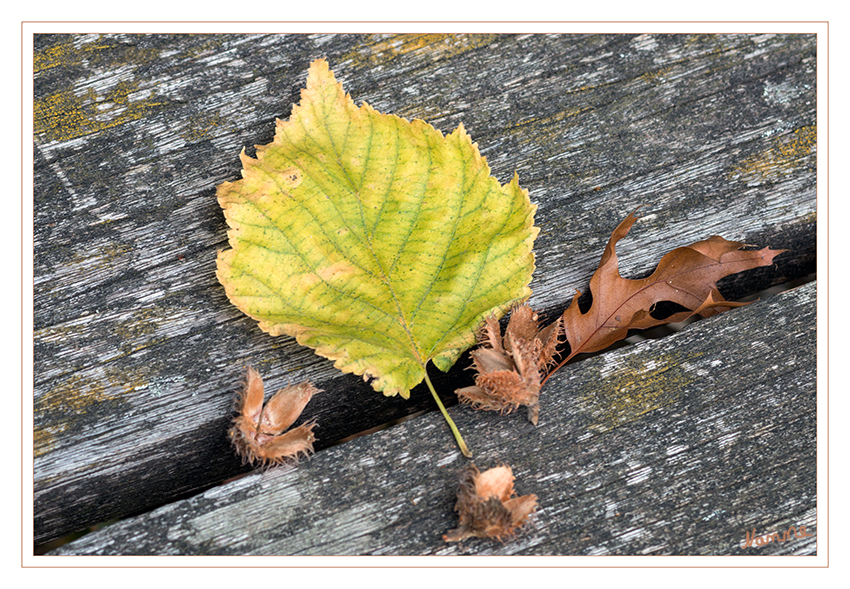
pixel 782 158
pixel 128 380
pixel 206 48
pixel 200 128
pixel 635 386
pixel 100 52
pixel 64 54
pixel 139 329
pixel 66 115
pixel 656 76
pixel 77 396
pixel 111 251
pixel 381 50
pixel 73 396
pixel 64 403
pixel 716 43
pixel 59 111
pixel 62 334
pixel 102 256
pixel 52 56
pixel 142 323
pixel 44 439
pixel 544 130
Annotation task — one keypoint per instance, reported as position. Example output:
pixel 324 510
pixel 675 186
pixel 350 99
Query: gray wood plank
pixel 673 446
pixel 137 349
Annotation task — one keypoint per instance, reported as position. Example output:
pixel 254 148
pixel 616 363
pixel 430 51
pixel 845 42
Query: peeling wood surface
pixel 675 446
pixel 137 350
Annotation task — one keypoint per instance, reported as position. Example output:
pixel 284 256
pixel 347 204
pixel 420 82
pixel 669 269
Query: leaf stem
pixel 461 444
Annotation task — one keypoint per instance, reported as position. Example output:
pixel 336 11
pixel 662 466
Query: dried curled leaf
pixel 687 276
pixel 257 431
pixel 485 506
pixel 510 368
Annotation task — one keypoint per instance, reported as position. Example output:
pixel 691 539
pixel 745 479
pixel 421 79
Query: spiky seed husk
pixel 510 368
pixel 485 506
pixel 257 431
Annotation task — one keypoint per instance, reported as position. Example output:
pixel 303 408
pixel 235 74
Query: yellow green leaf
pixel 376 241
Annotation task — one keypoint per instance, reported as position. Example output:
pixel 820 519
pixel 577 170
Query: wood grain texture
pixel 674 446
pixel 137 349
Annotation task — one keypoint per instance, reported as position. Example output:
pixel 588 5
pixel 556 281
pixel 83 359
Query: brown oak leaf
pixel 257 431
pixel 510 368
pixel 686 275
pixel 485 506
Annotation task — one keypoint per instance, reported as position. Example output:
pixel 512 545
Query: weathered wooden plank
pixel 136 346
pixel 673 446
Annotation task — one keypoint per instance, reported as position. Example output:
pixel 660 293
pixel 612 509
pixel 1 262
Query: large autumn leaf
pixel 378 242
